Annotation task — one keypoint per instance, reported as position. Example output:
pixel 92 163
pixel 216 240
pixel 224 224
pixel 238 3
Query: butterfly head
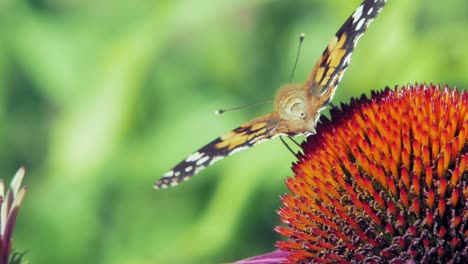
pixel 297 109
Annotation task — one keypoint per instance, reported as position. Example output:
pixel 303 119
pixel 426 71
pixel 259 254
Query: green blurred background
pixel 98 99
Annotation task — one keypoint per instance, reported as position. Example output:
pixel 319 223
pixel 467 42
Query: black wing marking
pixel 328 71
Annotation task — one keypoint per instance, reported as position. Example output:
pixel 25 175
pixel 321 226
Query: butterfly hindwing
pixel 238 139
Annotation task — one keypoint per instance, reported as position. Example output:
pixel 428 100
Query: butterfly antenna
pixel 222 111
pixel 301 39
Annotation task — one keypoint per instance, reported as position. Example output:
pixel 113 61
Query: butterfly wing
pixel 327 73
pixel 243 137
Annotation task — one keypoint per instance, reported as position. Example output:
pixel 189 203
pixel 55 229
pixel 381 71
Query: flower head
pixel 385 180
pixel 9 206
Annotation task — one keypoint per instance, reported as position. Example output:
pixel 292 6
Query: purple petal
pixel 274 257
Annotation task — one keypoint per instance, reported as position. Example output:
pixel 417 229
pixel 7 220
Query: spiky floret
pixel 385 180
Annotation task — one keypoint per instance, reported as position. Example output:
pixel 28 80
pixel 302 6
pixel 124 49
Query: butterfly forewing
pixel 297 107
pixel 330 67
pixel 243 137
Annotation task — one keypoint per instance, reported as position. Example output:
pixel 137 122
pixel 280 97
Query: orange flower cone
pixel 384 181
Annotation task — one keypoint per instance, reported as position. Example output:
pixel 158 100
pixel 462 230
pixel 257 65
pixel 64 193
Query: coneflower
pixel 383 181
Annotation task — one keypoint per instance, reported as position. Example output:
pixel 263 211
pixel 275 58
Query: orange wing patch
pixel 243 134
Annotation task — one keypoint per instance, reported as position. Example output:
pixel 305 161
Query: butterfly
pixel 297 106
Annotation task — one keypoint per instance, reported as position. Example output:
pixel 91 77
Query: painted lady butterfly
pixel 297 106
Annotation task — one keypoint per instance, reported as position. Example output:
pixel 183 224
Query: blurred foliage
pixel 98 99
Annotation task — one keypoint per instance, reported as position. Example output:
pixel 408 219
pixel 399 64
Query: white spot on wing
pixel 238 149
pixel 189 168
pixel 255 142
pixel 370 11
pixel 215 159
pixel 272 137
pixel 347 59
pixel 197 169
pixel 202 160
pixel 357 14
pixel 360 23
pixel 173 183
pixel 195 156
pixel 168 174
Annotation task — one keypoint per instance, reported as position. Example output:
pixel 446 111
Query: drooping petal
pixel 274 257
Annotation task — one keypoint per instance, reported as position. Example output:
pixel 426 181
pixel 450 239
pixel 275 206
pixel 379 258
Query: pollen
pixel 384 180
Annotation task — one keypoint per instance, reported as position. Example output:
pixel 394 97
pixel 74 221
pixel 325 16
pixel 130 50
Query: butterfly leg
pixel 287 146
pixel 295 142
